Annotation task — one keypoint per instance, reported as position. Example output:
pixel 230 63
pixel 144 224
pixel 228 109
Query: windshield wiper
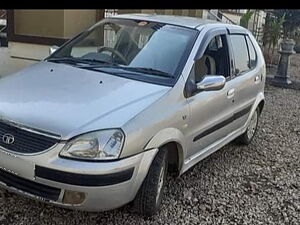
pixel 96 63
pixel 63 59
pixel 149 71
pixel 143 70
pixel 92 62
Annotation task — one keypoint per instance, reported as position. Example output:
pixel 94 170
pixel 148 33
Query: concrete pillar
pixel 282 77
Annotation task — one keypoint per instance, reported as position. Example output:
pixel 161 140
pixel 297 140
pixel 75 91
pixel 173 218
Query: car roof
pixel 185 21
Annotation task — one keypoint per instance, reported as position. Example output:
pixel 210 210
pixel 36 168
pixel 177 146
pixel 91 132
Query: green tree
pixel 276 27
pixel 272 33
pixel 291 21
pixel 245 18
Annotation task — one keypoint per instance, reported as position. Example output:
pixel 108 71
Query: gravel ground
pixel 255 184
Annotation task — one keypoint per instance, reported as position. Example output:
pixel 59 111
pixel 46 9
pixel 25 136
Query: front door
pixel 211 112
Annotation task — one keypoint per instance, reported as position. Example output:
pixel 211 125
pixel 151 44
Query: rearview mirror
pixel 211 83
pixel 52 49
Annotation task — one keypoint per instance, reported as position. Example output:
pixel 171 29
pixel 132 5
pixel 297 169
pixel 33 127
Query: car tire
pixel 149 196
pixel 247 136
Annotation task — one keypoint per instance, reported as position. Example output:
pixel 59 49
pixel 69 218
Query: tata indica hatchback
pixel 101 121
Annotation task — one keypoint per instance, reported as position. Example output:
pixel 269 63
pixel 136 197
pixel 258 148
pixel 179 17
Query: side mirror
pixel 211 83
pixel 52 49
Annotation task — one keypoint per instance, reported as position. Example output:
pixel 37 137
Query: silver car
pixel 103 119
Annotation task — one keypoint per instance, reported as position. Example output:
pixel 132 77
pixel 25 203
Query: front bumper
pixel 47 177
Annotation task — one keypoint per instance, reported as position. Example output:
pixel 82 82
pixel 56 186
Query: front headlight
pixel 98 145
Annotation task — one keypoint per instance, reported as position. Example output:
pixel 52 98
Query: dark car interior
pixel 215 60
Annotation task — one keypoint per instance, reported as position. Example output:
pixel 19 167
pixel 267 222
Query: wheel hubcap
pixel 252 125
pixel 160 182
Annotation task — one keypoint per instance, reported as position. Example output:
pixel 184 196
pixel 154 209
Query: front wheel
pixel 247 137
pixel 148 198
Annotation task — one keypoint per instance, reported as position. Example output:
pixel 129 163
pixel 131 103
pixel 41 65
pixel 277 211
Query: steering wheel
pixel 114 52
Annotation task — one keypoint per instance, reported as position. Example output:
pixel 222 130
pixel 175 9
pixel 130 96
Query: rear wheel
pixel 149 196
pixel 247 137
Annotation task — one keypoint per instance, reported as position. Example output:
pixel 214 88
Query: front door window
pixel 215 60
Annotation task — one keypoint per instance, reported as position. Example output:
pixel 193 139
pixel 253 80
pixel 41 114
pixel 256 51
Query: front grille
pixel 40 190
pixel 24 141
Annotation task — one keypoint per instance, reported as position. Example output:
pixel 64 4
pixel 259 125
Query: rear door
pixel 247 77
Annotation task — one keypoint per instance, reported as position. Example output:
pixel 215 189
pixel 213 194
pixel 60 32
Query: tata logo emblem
pixel 8 139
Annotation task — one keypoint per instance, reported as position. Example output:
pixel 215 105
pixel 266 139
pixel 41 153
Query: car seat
pixel 205 66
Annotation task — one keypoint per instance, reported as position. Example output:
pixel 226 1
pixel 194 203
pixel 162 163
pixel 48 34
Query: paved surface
pixel 255 184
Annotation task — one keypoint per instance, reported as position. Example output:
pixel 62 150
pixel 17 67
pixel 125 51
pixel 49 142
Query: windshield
pixel 142 50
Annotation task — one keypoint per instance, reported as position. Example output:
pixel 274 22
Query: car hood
pixel 67 101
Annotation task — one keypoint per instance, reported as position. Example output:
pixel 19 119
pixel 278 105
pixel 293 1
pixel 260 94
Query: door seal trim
pixel 222 124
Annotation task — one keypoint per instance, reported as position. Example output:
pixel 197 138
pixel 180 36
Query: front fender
pixel 168 135
pixel 165 136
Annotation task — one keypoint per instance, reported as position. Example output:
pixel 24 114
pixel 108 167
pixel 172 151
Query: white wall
pixel 234 17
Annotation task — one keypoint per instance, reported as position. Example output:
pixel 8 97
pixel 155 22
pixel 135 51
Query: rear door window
pixel 240 52
pixel 252 53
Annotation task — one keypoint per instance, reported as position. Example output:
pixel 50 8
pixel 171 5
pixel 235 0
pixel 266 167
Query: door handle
pixel 230 93
pixel 256 79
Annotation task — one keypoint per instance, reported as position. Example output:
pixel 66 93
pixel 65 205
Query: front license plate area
pixel 15 165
